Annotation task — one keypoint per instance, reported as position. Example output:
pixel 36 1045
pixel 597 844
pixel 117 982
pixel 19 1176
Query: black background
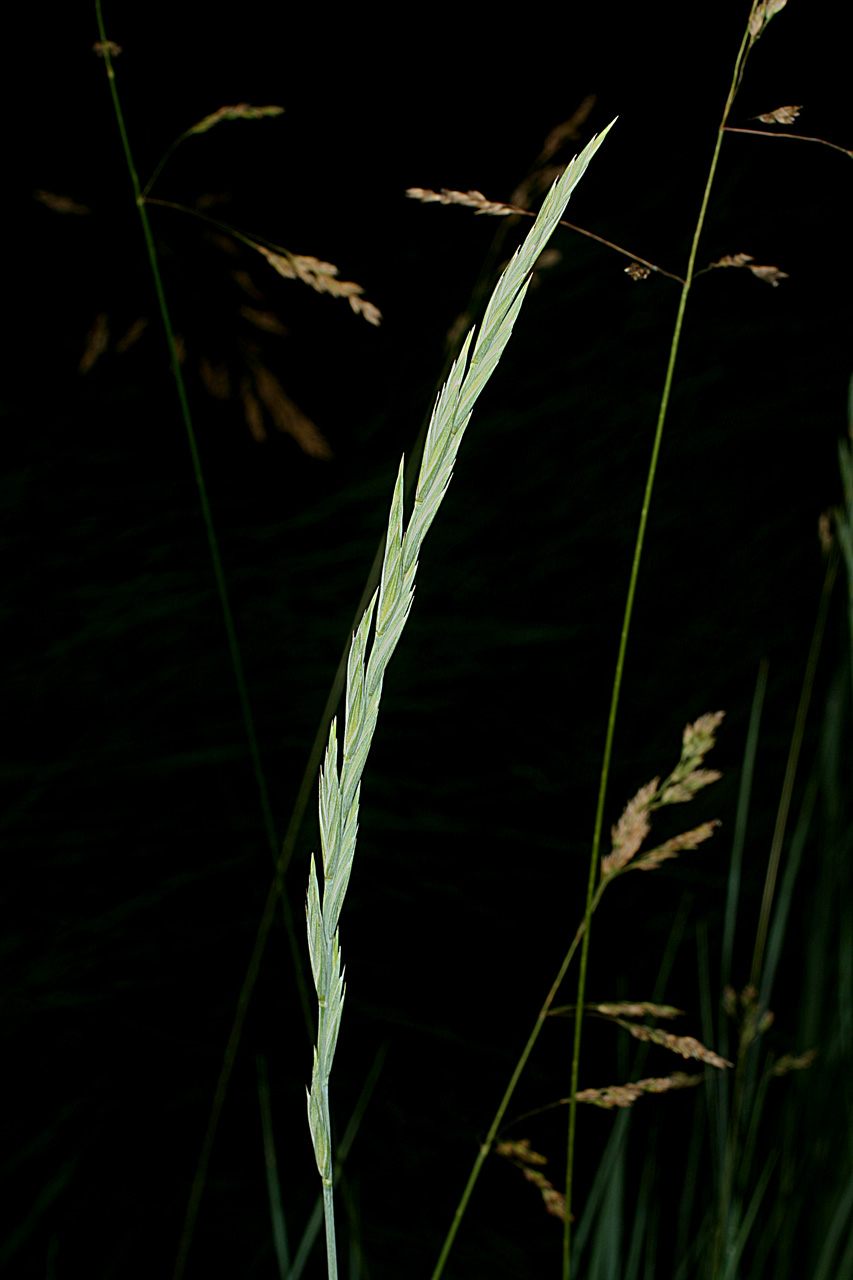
pixel 136 865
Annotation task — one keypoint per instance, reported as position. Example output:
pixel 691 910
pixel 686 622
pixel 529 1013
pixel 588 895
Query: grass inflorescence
pixel 744 1201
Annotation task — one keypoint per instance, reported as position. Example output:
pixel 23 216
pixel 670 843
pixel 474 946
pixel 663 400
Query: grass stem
pixel 231 635
pixel 486 1145
pixel 593 897
pixel 213 544
pixel 623 642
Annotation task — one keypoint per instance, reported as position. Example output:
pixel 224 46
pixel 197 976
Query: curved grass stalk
pixel 213 545
pixel 391 605
pixel 240 679
pixel 749 37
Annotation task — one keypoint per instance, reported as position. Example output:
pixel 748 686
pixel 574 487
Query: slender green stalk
pixel 329 1217
pixel 797 137
pixel 486 1144
pixel 234 651
pixel 312 1230
pixel 213 545
pixel 679 786
pixel 623 642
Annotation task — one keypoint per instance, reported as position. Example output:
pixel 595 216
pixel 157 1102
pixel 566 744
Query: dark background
pixel 135 861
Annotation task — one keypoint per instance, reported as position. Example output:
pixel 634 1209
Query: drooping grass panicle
pixel 470 199
pixel 620 1009
pixel 636 1009
pixel 240 111
pixel 391 605
pixel 793 1062
pixel 685 1046
pixel 671 848
pixel 639 269
pixel 624 1095
pixel 530 1163
pixel 631 829
pixel 320 276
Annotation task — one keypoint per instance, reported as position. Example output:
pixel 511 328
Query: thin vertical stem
pixel 213 545
pixel 623 645
pixel 486 1145
pixel 329 1216
pixel 329 1201
pixel 593 896
pixel 239 675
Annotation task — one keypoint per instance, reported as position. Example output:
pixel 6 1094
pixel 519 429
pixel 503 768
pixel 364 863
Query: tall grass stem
pixel 231 635
pixel 213 544
pixel 623 642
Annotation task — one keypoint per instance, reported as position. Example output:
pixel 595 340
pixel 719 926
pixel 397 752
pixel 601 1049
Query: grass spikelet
pixel 772 275
pixel 625 1095
pixel 637 1009
pixel 631 829
pixel 793 1062
pixel 61 204
pixel 266 321
pixel 390 605
pixel 287 416
pixel 687 787
pixel 97 341
pixel 761 15
pixel 215 378
pixel 320 276
pixel 242 111
pixel 470 199
pixel 520 1150
pixel 252 411
pixel 523 1157
pixel 685 781
pixel 671 848
pixel 621 1009
pixel 685 1046
pixel 696 741
pixel 131 335
pixel 781 115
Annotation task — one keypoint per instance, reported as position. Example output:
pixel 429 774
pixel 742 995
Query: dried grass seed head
pixel 671 848
pixel 631 829
pixel 637 1009
pixel 685 1046
pixel 624 1095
